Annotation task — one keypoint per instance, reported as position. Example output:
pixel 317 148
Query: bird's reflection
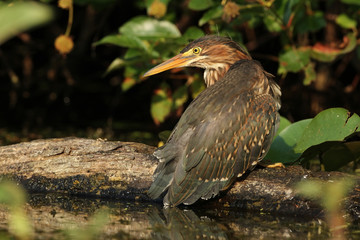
pixel 175 223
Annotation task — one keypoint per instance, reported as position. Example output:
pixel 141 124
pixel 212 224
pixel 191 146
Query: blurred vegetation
pixel 14 198
pixel 331 196
pixel 81 73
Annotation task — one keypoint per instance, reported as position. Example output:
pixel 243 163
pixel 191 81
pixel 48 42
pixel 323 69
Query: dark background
pixel 44 94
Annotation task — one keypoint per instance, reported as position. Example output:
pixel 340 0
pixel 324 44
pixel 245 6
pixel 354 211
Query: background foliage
pixel 81 73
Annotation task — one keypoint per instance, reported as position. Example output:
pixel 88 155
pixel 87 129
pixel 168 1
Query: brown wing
pixel 224 131
pixel 219 150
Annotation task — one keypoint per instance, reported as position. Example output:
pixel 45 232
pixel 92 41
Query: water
pixel 57 216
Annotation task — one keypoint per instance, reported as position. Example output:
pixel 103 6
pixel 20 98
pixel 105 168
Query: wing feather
pixel 208 172
pixel 225 131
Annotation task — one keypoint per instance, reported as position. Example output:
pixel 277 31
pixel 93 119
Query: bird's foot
pixel 274 165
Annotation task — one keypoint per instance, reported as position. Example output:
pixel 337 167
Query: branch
pixel 123 170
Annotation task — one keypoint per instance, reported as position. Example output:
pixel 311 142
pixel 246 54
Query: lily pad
pixel 333 124
pixel 283 124
pixel 282 149
pixel 333 154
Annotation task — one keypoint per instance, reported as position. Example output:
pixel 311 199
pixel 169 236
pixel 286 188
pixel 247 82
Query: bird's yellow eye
pixel 197 50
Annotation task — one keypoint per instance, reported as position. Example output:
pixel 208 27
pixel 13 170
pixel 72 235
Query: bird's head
pixel 213 53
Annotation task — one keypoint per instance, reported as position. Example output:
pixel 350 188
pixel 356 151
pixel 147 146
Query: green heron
pixel 225 131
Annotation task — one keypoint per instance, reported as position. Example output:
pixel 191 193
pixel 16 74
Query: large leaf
pixel 145 27
pixel 284 123
pixel 282 149
pixel 333 124
pixel 332 136
pixel 21 16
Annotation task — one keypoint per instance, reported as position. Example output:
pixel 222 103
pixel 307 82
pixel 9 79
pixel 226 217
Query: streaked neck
pixel 215 73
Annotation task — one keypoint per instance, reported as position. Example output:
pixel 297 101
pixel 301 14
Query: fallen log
pixel 123 170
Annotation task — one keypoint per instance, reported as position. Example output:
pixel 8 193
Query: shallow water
pixel 62 217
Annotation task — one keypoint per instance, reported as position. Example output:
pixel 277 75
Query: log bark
pixel 123 170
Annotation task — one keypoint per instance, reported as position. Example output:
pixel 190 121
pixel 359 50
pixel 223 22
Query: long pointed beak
pixel 178 61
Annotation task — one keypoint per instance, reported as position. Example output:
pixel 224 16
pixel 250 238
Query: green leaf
pixel 213 13
pixel 340 155
pixel 160 104
pixel 333 124
pixel 287 10
pixel 200 4
pixel 282 149
pixel 345 21
pixel 317 151
pixel 324 54
pixel 21 16
pixel 283 124
pixel 180 96
pixel 192 33
pixel 293 60
pixel 271 23
pixel 116 64
pixel 310 23
pixel 147 28
pixel 123 41
pixel 133 53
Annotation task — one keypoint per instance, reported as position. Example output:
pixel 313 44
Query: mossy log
pixel 123 170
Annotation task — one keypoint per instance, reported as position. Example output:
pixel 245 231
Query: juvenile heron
pixel 225 131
